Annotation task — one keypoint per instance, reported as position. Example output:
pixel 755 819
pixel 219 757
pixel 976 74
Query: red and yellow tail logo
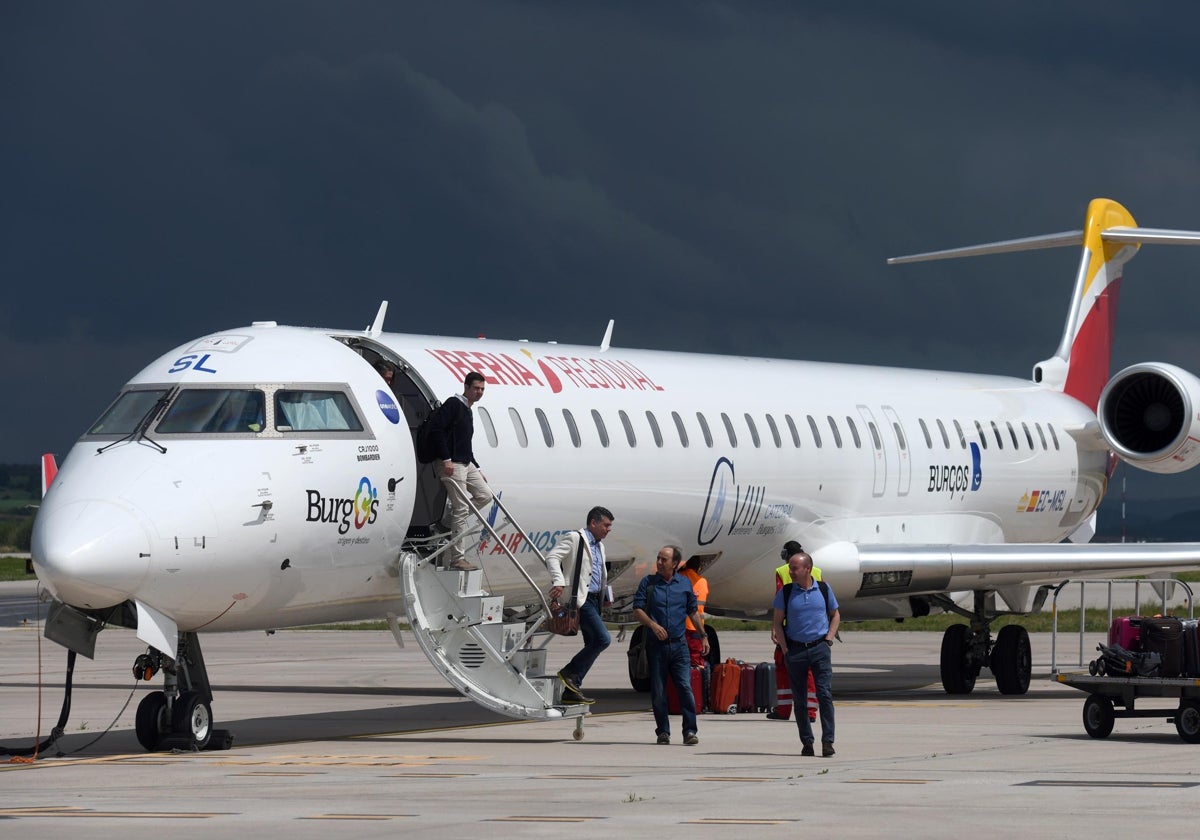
pixel 1101 269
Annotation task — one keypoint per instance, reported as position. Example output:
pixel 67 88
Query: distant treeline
pixel 20 481
pixel 20 487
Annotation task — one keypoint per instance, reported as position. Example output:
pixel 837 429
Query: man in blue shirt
pixel 663 603
pixel 806 621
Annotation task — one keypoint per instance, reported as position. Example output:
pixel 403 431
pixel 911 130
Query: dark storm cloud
pixel 714 176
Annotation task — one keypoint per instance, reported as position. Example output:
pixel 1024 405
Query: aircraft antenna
pixel 377 327
pixel 607 340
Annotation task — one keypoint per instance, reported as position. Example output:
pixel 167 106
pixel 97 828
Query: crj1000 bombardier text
pixel 264 477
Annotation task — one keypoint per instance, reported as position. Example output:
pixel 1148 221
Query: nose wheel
pixel 180 716
pixel 151 720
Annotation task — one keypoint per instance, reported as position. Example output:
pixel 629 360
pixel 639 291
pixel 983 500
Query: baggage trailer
pixel 1106 694
pixel 1112 697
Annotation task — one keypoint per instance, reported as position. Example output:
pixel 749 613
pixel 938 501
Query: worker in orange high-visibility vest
pixel 783 686
pixel 695 638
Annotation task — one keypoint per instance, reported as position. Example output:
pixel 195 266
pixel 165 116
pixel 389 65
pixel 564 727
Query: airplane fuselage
pixel 287 518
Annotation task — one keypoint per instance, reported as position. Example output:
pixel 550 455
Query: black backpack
pixel 422 440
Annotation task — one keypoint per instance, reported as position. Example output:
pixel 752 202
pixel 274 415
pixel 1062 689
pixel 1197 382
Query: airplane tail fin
pixel 1110 238
pixel 1080 367
pixel 49 470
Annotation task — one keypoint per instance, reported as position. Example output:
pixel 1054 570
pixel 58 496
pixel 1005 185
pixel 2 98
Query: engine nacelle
pixel 1148 415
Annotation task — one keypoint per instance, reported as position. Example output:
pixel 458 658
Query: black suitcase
pixel 1164 636
pixel 764 686
pixel 1191 648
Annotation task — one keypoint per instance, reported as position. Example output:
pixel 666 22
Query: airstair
pixel 492 655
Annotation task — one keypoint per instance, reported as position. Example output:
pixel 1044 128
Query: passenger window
pixel 875 439
pixel 816 433
pixel 962 438
pixel 683 437
pixel 1028 437
pixel 925 431
pixel 654 430
pixel 753 430
pixel 1012 433
pixel 729 429
pixel 900 436
pixel 1041 435
pixel 601 429
pixel 313 411
pixel 774 432
pixel 544 422
pixel 945 437
pixel 572 429
pixel 518 427
pixel 854 433
pixel 996 432
pixel 129 409
pixel 837 436
pixel 1053 436
pixel 629 435
pixel 708 438
pixel 982 434
pixel 792 428
pixel 488 428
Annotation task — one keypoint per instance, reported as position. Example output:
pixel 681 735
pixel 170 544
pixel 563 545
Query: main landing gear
pixel 966 649
pixel 180 716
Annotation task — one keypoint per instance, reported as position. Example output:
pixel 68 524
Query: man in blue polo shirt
pixel 663 603
pixel 806 621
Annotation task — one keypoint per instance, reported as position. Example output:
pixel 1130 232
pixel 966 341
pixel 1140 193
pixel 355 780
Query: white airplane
pixel 264 477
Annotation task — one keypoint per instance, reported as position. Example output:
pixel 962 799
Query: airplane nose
pixel 90 553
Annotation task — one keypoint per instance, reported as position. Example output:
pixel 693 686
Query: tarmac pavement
pixel 342 733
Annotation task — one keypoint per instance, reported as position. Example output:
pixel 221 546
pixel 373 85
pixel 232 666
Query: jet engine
pixel 1148 415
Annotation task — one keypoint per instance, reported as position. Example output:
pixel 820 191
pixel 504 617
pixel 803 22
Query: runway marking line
pixel 736 821
pixel 533 819
pixel 358 817
pixel 891 781
pixel 72 811
pixel 580 777
pixel 732 779
pixel 1106 784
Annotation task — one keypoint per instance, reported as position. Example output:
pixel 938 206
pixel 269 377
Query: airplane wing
pixel 919 569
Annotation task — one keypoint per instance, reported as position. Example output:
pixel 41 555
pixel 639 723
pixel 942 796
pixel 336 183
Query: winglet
pixel 49 470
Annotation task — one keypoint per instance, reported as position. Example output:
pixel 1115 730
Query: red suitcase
pixel 1126 631
pixel 674 706
pixel 723 694
pixel 745 702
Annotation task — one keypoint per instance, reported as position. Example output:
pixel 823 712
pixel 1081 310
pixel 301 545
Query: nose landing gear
pixel 180 716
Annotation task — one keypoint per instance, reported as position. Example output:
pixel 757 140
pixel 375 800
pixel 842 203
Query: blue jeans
pixel 670 660
pixel 595 638
pixel 818 659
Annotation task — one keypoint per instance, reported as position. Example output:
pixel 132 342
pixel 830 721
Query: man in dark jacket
pixel 450 434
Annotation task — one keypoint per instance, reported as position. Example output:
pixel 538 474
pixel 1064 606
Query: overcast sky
pixel 724 177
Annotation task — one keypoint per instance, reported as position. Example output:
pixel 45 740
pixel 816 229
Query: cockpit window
pixel 214 411
pixel 314 411
pixel 123 416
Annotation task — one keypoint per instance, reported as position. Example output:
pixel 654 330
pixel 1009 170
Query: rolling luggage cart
pixel 1112 697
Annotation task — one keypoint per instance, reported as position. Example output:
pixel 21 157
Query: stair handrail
pixel 545 604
